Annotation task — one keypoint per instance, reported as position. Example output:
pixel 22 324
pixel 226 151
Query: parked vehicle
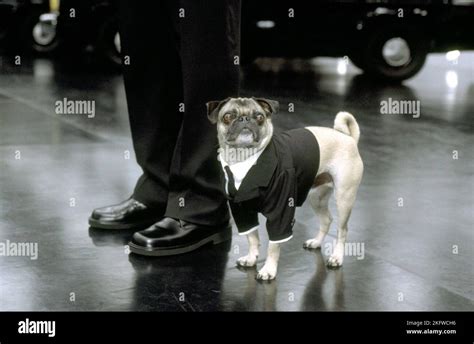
pixel 28 25
pixel 386 39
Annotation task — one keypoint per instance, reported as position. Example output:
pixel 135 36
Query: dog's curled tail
pixel 347 124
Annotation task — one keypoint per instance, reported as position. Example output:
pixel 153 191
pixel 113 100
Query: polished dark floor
pixel 419 256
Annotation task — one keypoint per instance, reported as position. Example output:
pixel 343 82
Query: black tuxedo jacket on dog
pixel 276 184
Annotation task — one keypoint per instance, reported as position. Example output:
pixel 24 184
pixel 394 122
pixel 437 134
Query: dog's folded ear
pixel 213 108
pixel 270 106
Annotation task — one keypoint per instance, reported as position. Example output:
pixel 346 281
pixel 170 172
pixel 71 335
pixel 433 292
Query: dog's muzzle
pixel 243 133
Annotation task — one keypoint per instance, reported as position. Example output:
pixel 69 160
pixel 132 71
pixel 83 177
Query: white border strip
pixel 282 240
pixel 250 230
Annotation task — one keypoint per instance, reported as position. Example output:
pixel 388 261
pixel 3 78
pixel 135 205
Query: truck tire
pixel 38 36
pixel 393 53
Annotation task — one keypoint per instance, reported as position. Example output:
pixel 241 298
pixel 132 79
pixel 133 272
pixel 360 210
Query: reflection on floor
pixel 413 217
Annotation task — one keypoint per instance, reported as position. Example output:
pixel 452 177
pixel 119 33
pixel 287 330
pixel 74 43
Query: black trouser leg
pixel 153 84
pixel 209 42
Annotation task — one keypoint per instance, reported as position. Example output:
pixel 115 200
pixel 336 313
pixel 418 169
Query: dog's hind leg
pixel 345 192
pixel 319 200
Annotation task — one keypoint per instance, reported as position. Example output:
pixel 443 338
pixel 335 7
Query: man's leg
pixel 153 85
pixel 197 212
pixel 210 37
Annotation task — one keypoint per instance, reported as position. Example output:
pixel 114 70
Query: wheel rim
pixel 117 43
pixel 396 52
pixel 44 34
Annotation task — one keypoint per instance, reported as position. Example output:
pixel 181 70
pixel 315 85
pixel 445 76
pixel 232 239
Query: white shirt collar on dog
pixel 239 170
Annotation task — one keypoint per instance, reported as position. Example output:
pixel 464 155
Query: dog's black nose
pixel 244 119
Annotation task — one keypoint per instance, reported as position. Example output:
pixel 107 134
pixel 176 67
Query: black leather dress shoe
pixel 171 236
pixel 126 215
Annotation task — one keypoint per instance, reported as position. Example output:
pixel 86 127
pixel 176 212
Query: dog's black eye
pixel 260 118
pixel 228 117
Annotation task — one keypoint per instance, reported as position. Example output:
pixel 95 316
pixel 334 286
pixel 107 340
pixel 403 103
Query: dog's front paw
pixel 312 244
pixel 335 260
pixel 247 261
pixel 267 273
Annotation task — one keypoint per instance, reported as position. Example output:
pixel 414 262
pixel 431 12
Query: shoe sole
pixel 142 225
pixel 215 239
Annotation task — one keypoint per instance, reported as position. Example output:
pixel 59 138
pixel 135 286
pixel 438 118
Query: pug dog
pixel 272 174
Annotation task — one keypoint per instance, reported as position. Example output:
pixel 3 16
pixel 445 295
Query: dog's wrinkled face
pixel 243 122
